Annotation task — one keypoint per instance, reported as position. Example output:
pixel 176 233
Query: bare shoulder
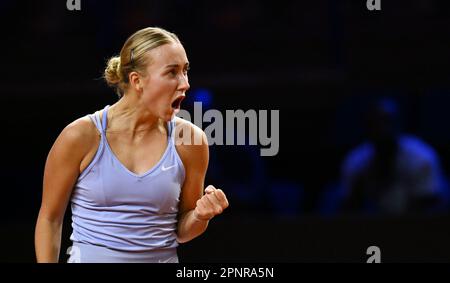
pixel 79 137
pixel 189 134
pixel 191 140
pixel 82 129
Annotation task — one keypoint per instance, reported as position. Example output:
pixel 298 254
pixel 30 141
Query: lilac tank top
pixel 115 208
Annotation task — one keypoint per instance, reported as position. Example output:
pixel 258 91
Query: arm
pixel 61 171
pixel 196 209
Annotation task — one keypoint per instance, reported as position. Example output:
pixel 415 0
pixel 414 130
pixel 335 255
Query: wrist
pixel 198 218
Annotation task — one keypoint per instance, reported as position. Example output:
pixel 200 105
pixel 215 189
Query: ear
pixel 135 81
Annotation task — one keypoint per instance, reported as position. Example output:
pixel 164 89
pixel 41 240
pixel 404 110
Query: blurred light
pixel 204 96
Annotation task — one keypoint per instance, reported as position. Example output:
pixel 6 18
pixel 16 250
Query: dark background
pixel 318 62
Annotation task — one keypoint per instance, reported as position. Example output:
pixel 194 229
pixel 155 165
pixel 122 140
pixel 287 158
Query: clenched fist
pixel 213 202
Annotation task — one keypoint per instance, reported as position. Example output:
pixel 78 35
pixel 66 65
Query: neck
pixel 130 116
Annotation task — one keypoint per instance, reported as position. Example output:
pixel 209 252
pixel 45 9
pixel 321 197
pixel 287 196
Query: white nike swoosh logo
pixel 167 168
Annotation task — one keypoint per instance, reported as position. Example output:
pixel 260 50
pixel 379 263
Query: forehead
pixel 172 53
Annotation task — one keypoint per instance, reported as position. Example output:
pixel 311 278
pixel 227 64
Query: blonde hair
pixel 132 56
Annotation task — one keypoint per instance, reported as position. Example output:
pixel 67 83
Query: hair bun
pixel 112 71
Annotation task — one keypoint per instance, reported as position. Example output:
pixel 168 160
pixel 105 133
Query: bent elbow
pixel 182 240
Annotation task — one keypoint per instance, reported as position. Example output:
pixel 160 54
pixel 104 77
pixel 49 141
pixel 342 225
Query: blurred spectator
pixel 391 173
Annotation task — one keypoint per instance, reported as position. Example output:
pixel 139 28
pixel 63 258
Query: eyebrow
pixel 176 65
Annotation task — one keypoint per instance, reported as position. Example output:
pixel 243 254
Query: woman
pixel 136 191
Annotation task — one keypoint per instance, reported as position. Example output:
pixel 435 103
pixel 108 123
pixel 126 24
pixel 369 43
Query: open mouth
pixel 177 102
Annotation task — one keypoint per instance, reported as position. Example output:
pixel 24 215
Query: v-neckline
pixel 149 171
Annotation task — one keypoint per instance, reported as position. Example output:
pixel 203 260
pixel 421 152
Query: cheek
pixel 158 95
pixel 159 91
pixel 156 100
pixel 161 85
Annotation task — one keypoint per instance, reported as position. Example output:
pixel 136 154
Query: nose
pixel 184 83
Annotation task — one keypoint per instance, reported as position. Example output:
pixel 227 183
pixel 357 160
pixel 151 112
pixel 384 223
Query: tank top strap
pixel 172 130
pixel 104 119
pixel 95 119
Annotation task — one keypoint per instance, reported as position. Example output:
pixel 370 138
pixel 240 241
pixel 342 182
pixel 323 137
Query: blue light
pixel 204 96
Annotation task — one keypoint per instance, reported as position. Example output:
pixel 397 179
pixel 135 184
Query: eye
pixel 173 72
